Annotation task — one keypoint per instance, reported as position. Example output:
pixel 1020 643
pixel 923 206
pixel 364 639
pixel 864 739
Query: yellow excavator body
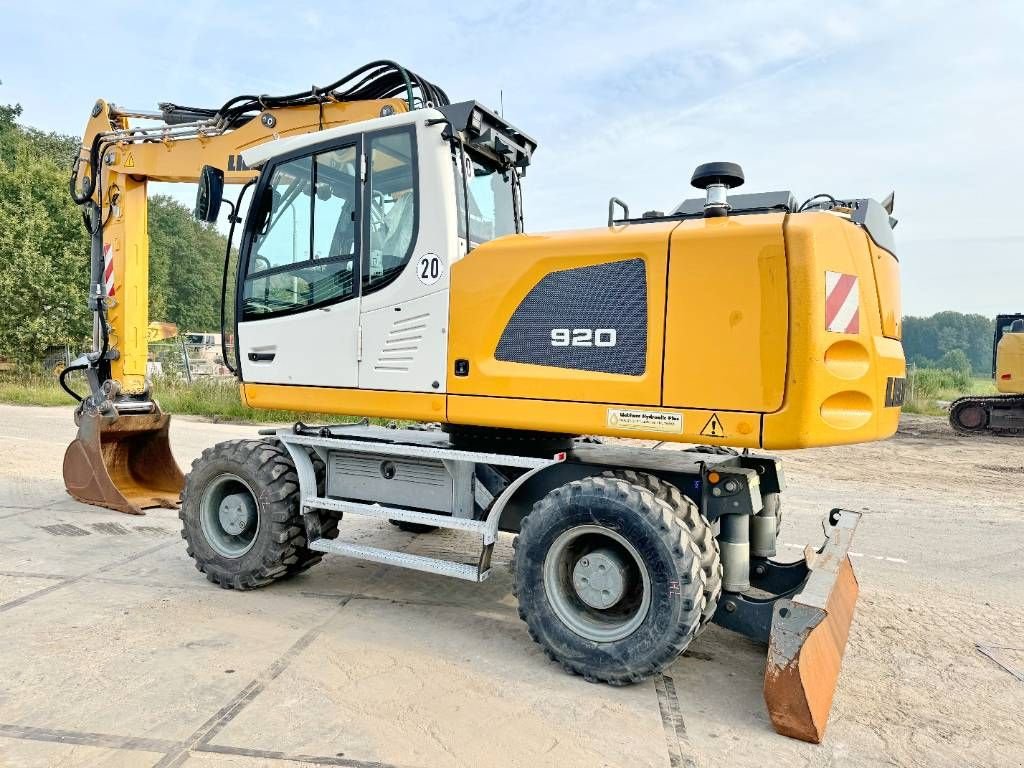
pixel 1010 364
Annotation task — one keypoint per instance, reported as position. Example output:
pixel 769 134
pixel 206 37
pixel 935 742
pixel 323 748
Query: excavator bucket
pixel 808 636
pixel 123 462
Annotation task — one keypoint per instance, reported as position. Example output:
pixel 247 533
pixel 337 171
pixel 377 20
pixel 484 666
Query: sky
pixel 625 99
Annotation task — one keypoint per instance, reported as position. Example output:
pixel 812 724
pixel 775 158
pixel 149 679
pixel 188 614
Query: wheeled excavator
pixel 382 269
pixel 1001 414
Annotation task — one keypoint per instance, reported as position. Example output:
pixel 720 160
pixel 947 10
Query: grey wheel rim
pixel 229 516
pixel 599 606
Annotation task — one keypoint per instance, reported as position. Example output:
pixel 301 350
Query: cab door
pixel 409 245
pixel 298 285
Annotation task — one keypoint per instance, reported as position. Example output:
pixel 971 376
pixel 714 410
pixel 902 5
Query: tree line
pixel 950 340
pixel 44 251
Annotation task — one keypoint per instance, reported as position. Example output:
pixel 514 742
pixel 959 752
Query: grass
pixel 931 390
pixel 217 400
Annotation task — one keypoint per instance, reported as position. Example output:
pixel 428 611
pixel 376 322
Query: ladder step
pixel 395 513
pixel 401 559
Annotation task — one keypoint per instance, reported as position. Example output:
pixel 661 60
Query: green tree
pixel 44 251
pixel 926 340
pixel 186 259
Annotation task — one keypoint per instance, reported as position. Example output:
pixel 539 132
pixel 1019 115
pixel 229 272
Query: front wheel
pixel 609 580
pixel 240 515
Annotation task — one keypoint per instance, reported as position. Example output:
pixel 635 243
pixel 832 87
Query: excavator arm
pixel 121 458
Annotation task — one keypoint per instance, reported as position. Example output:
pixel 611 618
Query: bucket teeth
pixel 123 462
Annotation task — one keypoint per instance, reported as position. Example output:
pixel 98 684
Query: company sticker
pixel 646 421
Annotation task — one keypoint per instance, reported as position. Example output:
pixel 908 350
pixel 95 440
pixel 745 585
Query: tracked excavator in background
pixel 382 270
pixel 1001 414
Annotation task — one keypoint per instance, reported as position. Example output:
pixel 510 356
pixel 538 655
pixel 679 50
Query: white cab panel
pixel 317 348
pixel 405 347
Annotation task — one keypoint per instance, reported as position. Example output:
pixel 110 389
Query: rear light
pixel 1006 376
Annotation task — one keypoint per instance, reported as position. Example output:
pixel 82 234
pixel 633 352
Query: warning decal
pixel 714 427
pixel 842 303
pixel 646 421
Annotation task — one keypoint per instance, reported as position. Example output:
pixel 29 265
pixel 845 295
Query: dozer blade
pixel 808 636
pixel 123 462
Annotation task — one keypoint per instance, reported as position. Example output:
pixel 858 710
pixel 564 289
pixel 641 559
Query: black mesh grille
pixel 604 297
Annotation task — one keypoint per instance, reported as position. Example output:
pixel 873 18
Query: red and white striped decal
pixel 842 303
pixel 108 270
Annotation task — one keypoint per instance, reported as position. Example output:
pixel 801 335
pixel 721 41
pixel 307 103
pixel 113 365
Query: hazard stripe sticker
pixel 108 270
pixel 842 303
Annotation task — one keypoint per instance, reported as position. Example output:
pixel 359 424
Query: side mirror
pixel 209 194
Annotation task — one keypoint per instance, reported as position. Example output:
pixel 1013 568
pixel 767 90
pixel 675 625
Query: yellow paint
pixel 489 283
pixel 887 284
pixel 417 406
pixel 183 160
pixel 592 418
pixel 1010 362
pixel 835 382
pixel 128 314
pixel 727 317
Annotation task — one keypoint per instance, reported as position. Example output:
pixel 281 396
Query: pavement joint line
pixel 680 751
pixel 33 575
pixel 265 754
pixel 146 744
pixel 856 554
pixel 83 738
pixel 205 733
pixel 202 736
pixel 75 579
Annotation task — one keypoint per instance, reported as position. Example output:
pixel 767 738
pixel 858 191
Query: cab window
pixel 392 206
pixel 304 246
pixel 491 207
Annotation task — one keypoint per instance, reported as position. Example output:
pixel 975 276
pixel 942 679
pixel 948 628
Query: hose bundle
pixel 376 80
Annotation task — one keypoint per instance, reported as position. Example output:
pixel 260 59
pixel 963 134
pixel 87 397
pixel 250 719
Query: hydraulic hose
pixel 62 378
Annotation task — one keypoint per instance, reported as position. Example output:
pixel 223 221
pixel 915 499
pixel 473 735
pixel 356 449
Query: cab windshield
pixel 490 192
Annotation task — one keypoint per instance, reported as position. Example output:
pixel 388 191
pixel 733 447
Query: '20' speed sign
pixel 428 268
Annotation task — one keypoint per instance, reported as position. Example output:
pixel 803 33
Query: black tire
pixel 278 546
pixel 664 545
pixel 700 529
pixel 405 525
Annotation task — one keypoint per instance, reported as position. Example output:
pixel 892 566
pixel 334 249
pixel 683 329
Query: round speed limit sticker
pixel 428 268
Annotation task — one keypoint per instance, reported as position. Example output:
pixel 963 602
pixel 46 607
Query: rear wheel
pixel 700 529
pixel 608 579
pixel 240 515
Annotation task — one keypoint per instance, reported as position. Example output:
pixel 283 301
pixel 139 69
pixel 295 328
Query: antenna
pixel 501 102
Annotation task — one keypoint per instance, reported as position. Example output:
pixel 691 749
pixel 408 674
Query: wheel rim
pixel 597 583
pixel 229 516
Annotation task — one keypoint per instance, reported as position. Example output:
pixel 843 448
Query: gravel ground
pixel 115 651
